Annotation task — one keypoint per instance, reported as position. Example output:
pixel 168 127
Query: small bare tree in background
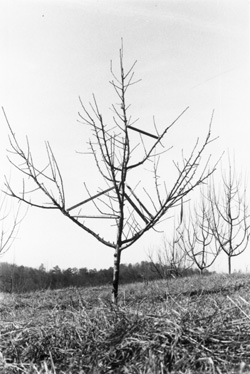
pixel 171 260
pixel 196 237
pixel 9 223
pixel 230 214
pixel 117 155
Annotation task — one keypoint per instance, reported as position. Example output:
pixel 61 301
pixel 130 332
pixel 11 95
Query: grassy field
pixel 188 325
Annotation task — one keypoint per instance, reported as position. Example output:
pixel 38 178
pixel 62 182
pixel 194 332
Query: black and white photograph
pixel 124 198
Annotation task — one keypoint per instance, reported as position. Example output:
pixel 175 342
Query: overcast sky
pixel 190 53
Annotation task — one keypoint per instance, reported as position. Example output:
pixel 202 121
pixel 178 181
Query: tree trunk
pixel 229 264
pixel 116 273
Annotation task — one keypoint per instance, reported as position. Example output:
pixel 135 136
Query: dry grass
pixel 192 325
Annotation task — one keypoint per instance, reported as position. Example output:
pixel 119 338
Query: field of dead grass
pixel 189 325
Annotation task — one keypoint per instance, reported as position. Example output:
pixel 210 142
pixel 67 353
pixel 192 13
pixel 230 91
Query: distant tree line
pixel 19 279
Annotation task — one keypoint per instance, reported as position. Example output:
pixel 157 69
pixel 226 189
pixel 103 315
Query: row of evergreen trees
pixel 18 279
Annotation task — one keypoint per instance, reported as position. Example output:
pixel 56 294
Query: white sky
pixel 190 53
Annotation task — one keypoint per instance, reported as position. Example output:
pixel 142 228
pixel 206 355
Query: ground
pixel 188 325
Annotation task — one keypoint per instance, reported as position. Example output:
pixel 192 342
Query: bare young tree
pixel 116 155
pixel 171 260
pixel 196 237
pixel 230 214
